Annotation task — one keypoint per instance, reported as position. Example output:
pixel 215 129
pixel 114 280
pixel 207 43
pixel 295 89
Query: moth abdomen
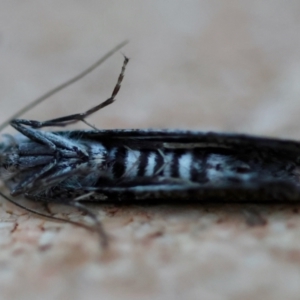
pixel 195 165
pixel 132 163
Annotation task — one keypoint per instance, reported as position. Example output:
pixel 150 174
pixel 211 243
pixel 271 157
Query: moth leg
pixel 52 179
pixel 46 208
pixel 98 227
pixel 48 216
pixel 37 184
pixel 52 140
pixel 32 134
pixel 29 183
pixel 71 119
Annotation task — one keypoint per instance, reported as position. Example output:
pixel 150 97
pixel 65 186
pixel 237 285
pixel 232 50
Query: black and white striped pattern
pixel 193 165
pixel 145 160
pixel 127 163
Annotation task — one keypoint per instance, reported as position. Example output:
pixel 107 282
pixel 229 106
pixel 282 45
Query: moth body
pixel 119 165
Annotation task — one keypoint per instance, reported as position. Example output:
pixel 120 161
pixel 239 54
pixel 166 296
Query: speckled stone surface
pixel 212 65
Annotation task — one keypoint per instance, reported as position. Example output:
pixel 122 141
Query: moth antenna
pixel 63 85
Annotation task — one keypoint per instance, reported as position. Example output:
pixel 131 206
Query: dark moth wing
pixel 224 167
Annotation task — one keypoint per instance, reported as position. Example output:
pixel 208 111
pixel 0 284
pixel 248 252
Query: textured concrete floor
pixel 219 65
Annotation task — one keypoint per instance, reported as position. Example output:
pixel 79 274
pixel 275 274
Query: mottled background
pixel 221 65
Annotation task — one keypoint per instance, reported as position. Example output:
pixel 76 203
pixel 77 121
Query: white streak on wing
pixel 149 170
pixel 167 164
pixel 98 155
pixel 132 163
pixel 213 173
pixel 112 157
pixel 185 164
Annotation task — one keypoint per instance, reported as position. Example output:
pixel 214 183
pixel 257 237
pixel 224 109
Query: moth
pixel 143 166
